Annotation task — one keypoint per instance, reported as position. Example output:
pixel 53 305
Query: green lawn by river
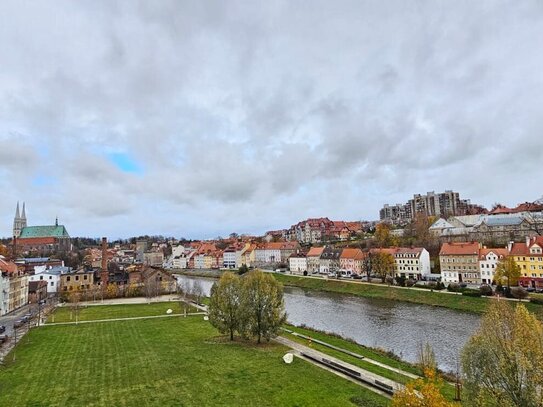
pixel 163 362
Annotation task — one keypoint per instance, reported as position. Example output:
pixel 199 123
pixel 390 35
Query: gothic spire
pixel 24 213
pixel 17 216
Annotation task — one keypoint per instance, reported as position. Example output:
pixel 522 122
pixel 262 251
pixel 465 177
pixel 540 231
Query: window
pixel 85 277
pixel 76 278
pixel 68 278
pixel 52 284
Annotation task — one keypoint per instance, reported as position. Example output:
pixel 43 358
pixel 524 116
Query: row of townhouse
pixel 13 286
pixel 315 230
pixel 413 263
pixel 470 262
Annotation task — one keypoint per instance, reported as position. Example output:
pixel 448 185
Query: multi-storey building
pixel 330 260
pixel 313 259
pixel 13 287
pixel 229 258
pixel 275 252
pixel 442 204
pixel 488 261
pixel 79 280
pixel 297 263
pixel 459 262
pixel 529 256
pixel 351 260
pixel 410 262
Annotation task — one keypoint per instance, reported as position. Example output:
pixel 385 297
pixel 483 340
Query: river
pixel 390 325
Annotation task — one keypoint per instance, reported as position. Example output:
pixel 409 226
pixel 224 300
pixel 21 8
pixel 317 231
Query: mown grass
pixel 457 302
pixel 374 354
pixel 163 362
pixel 97 312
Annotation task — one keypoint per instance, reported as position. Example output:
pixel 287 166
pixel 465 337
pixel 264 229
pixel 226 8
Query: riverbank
pixel 462 303
pixel 437 299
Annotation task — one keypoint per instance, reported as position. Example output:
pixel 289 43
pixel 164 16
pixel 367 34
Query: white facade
pixel 4 293
pixel 487 265
pixel 199 261
pixel 412 263
pixel 229 259
pixel 52 279
pixel 297 264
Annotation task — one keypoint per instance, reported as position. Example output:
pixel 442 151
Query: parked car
pixel 530 289
pixel 356 276
pixel 19 323
pixel 3 338
pixel 2 329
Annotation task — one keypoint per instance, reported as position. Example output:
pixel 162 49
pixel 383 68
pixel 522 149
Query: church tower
pixel 19 222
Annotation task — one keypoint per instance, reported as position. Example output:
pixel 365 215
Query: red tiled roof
pixel 355 254
pixel 315 252
pixel 459 249
pixel 7 266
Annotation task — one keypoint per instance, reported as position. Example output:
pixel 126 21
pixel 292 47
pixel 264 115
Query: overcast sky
pixel 200 118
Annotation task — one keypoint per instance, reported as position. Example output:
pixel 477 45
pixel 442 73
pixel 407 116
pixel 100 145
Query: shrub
pixel 400 281
pixel 486 290
pixel 519 292
pixel 410 283
pixel 471 293
pixel 305 273
pixel 453 287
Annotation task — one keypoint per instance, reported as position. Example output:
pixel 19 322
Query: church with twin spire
pixel 43 240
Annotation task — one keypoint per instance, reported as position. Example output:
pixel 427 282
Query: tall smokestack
pixel 104 275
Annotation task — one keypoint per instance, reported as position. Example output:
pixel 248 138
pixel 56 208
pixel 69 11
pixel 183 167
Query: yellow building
pixel 78 280
pixel 529 256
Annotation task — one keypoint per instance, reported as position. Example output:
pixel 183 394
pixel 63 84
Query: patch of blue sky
pixel 125 163
pixel 44 180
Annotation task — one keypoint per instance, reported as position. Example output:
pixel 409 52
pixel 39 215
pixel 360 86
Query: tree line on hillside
pixel 251 305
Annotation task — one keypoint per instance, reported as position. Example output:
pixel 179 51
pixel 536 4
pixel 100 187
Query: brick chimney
pixel 104 275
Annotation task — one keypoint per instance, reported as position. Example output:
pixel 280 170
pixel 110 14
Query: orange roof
pixel 7 266
pixel 315 252
pixel 355 254
pixel 459 249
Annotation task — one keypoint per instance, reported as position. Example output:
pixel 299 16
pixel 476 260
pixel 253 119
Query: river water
pixel 391 325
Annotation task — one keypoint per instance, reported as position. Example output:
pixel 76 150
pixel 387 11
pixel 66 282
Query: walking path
pixel 353 354
pixel 124 319
pixel 132 300
pixel 379 384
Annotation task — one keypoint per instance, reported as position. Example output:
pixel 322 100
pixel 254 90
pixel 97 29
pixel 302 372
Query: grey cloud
pixel 265 107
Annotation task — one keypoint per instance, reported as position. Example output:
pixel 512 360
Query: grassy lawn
pixel 456 302
pixel 378 356
pixel 95 312
pixel 163 362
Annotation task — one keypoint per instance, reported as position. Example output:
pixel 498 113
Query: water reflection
pixel 390 325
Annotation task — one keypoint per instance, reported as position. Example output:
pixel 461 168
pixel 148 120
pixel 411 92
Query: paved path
pixel 367 378
pixel 132 300
pixel 354 354
pixel 124 319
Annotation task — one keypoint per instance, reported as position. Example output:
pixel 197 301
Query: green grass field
pixel 95 312
pixel 456 302
pixel 163 362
